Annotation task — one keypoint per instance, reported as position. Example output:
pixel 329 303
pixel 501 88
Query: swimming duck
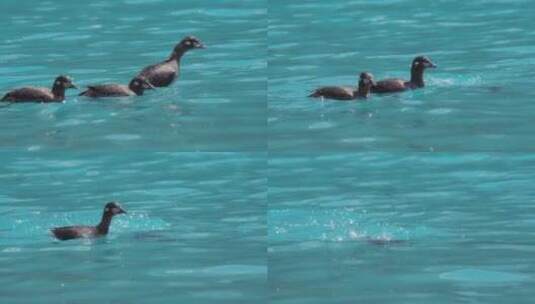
pixel 136 87
pixel 32 94
pixel 419 64
pixel 347 93
pixel 164 73
pixel 75 232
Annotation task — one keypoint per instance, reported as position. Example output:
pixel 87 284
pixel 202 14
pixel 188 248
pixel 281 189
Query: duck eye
pixel 107 209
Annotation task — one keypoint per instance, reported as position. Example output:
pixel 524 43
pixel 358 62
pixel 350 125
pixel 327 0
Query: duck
pixel 75 232
pixel 33 94
pixel 136 87
pixel 347 93
pixel 419 65
pixel 164 73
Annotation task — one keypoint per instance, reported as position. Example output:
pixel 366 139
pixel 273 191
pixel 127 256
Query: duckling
pixel 74 232
pixel 164 73
pixel 347 93
pixel 136 87
pixel 419 64
pixel 32 94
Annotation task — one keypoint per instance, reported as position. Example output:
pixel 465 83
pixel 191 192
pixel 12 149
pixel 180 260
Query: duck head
pixel 419 64
pixel 113 208
pixel 188 43
pixel 64 82
pixel 422 62
pixel 365 84
pixel 191 42
pixel 139 84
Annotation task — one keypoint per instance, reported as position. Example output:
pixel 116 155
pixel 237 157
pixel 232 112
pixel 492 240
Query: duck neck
pixel 59 91
pixel 177 54
pixel 363 91
pixel 137 90
pixel 417 77
pixel 104 224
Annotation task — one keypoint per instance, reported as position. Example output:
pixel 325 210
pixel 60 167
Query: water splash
pixel 339 225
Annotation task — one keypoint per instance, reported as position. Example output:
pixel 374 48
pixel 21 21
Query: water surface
pixel 479 99
pixel 401 228
pixel 195 230
pixel 218 104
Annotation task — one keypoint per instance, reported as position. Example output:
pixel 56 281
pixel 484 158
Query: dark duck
pixel 136 87
pixel 164 73
pixel 32 94
pixel 75 232
pixel 347 93
pixel 419 64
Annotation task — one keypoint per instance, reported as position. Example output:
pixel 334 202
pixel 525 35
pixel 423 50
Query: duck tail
pixel 6 101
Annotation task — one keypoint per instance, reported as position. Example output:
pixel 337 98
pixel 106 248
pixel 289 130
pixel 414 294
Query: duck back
pixel 389 86
pixel 74 232
pixel 110 90
pixel 162 74
pixel 334 92
pixel 30 95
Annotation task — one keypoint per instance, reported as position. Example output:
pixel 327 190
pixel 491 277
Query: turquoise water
pixel 194 233
pixel 479 99
pixel 217 105
pixel 239 188
pixel 355 214
pixel 442 228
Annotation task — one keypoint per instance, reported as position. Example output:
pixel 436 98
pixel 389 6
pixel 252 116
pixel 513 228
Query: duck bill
pixel 430 65
pixel 122 211
pixel 73 86
pixel 200 46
